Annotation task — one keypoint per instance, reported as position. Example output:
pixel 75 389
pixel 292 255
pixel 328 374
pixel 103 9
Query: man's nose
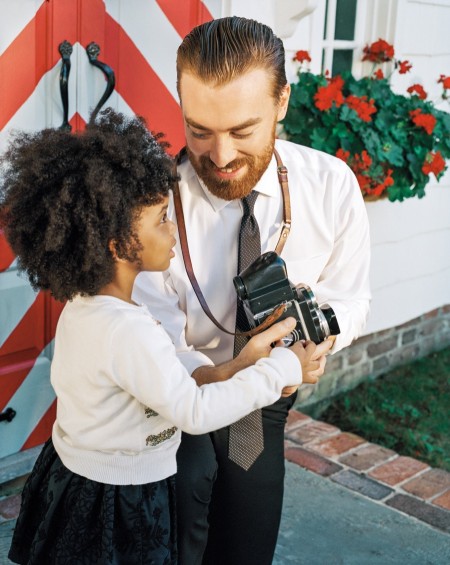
pixel 222 152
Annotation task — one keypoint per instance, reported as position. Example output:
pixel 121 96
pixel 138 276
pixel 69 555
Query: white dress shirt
pixel 328 249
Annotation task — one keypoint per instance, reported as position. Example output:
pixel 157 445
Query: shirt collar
pixel 268 185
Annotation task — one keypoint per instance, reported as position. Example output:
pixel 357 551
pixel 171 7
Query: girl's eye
pixel 164 219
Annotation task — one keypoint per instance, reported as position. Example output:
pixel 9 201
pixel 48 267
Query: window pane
pixel 342 61
pixel 345 19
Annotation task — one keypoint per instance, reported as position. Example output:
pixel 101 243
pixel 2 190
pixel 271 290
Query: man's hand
pixel 324 347
pixel 311 374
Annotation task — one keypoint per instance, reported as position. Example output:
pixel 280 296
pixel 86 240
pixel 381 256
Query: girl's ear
pixel 112 246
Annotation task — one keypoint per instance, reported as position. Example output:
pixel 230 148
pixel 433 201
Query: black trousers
pixel 228 516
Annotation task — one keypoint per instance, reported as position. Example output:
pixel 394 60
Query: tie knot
pixel 249 202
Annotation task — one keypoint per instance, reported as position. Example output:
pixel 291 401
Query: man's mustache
pixel 236 164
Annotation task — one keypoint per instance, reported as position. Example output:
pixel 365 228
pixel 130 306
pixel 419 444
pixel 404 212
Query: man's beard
pixel 238 188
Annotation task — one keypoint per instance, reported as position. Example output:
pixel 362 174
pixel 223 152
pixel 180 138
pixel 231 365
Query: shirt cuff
pixel 192 360
pixel 291 366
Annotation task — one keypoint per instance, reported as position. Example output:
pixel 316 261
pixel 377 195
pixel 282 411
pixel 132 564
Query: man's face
pixel 230 130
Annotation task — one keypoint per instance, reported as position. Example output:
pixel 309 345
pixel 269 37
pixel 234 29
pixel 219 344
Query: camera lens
pixel 240 287
pixel 331 319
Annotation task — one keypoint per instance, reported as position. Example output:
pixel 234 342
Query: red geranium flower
pixel 404 67
pixel 363 108
pixel 425 121
pixel 378 52
pixel 363 161
pixel 381 187
pixel 302 56
pixel 434 163
pixel 342 154
pixel 445 81
pixel 417 89
pixel 332 92
pixel 360 165
pixel 378 74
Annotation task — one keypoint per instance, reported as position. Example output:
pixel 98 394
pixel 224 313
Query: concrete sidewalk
pixel 325 523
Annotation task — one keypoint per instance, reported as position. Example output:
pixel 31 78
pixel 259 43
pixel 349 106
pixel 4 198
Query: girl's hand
pixel 260 345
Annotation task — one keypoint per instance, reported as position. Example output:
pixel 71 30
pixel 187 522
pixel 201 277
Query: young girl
pixel 86 213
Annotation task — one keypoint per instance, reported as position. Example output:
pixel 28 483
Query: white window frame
pixel 374 19
pixel 329 44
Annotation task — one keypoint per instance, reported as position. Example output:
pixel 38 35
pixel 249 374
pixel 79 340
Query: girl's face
pixel 156 235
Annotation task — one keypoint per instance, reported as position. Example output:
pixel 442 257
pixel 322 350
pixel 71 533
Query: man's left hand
pixel 319 354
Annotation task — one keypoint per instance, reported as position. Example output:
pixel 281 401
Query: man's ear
pixel 283 101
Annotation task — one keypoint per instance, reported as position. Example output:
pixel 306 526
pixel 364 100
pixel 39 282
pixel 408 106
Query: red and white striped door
pixel 138 39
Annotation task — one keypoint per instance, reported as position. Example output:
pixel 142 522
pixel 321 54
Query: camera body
pixel 264 286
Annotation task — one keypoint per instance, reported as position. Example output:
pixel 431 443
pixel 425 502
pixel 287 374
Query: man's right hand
pixel 312 366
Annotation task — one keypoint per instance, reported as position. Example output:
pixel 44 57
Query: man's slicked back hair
pixel 221 50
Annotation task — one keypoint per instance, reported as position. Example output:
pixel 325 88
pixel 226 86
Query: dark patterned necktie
pixel 246 441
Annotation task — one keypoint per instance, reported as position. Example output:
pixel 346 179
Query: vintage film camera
pixel 263 286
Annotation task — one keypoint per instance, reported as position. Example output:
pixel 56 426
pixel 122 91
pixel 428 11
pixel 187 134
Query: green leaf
pixel 393 154
pixel 321 140
pixel 371 140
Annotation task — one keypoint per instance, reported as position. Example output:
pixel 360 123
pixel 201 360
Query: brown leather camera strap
pixel 283 180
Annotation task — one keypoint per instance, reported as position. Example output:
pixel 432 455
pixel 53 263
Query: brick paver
pixel 296 419
pixel 309 460
pixel 367 457
pixel 398 470
pixel 443 500
pixel 337 445
pixel 311 431
pixel 426 512
pixel 362 484
pixel 9 507
pixel 429 484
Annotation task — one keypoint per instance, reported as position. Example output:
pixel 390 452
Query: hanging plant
pixel 392 142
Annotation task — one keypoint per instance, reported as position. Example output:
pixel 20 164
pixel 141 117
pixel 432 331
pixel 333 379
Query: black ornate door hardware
pixel 65 48
pixel 7 415
pixel 92 50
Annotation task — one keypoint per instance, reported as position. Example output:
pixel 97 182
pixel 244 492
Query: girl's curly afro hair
pixel 64 197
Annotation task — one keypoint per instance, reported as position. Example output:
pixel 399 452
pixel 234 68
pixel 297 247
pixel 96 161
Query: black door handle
pixel 7 415
pixel 65 48
pixel 93 51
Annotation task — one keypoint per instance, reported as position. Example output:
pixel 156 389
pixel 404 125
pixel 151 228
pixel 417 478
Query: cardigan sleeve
pixel 145 365
pixel 151 288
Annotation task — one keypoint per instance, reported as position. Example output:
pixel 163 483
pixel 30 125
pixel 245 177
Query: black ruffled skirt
pixel 66 519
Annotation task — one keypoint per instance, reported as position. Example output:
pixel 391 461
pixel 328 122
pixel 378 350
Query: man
pixel 233 91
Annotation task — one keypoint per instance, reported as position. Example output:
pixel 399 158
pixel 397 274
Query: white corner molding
pixel 288 13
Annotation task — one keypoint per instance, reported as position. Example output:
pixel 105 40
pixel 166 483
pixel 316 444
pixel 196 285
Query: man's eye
pixel 199 135
pixel 241 135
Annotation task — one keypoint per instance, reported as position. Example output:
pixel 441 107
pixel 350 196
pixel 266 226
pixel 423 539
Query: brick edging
pixel 400 482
